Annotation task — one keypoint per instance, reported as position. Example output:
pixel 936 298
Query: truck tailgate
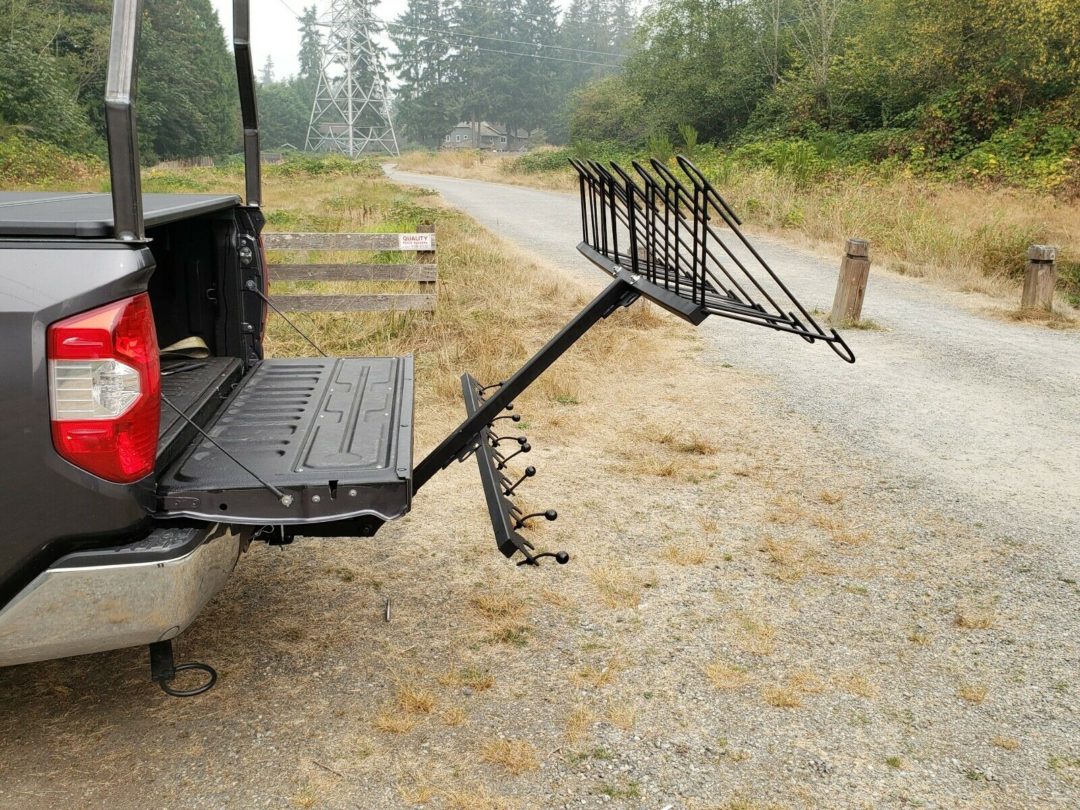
pixel 302 442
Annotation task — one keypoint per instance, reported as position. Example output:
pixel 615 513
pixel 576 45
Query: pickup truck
pixel 147 440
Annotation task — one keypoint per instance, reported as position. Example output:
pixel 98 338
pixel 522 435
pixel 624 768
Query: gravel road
pixel 977 415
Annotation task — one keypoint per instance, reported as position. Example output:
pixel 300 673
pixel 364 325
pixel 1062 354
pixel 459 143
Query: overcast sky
pixel 274 28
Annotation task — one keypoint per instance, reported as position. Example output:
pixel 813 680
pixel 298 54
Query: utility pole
pixel 351 111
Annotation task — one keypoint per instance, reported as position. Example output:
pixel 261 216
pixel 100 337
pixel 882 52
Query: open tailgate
pixel 302 441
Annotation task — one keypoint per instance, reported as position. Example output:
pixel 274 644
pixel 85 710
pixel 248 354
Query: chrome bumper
pixel 71 610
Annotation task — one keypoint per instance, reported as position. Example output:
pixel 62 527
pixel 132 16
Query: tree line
pixel 52 76
pixel 934 77
pixel 515 62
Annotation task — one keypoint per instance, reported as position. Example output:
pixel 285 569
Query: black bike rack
pixel 673 254
pixel 681 235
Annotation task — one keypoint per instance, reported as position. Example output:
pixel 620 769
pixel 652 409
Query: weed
pixel 686 554
pixel 622 714
pixel 515 756
pixel 394 722
pixel 972 693
pixel 1006 743
pixel 478 680
pixel 629 790
pixel 454 716
pixel 726 676
pixel 974 619
pixel 414 700
pixel 894 762
pixel 782 697
pixel 578 722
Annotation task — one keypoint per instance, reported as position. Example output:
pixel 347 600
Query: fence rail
pixel 424 271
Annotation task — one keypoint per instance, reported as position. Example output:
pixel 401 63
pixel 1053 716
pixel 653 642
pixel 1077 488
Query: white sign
pixel 416 241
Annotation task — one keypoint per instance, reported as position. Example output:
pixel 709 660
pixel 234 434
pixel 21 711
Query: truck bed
pixel 90 216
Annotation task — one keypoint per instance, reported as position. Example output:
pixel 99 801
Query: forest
pixel 983 89
pixel 52 77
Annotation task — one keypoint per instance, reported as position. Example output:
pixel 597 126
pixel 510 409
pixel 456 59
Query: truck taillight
pixel 105 389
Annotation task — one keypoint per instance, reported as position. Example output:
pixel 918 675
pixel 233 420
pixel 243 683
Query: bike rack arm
pixel 249 110
pixel 120 124
pixel 621 292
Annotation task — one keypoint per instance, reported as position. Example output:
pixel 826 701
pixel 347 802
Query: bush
pixel 25 163
pixel 299 164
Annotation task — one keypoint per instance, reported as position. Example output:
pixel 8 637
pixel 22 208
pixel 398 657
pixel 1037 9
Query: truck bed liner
pixel 333 435
pixel 197 388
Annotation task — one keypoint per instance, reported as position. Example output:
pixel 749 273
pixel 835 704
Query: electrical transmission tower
pixel 351 112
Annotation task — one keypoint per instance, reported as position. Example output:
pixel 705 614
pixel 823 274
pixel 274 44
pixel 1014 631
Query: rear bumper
pixel 125 597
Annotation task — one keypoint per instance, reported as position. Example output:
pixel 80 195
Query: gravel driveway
pixel 978 415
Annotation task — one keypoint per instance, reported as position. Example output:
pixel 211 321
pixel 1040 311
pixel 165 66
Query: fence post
pixel 851 285
pixel 1040 279
pixel 425 256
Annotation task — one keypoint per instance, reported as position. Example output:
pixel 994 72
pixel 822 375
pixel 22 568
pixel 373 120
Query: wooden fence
pixel 423 271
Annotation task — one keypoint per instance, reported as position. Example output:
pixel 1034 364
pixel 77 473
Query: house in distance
pixel 487 136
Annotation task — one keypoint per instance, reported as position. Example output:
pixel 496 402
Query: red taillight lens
pixel 105 389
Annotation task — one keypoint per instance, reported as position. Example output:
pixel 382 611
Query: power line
pixel 494 39
pixel 497 39
pixel 611 26
pixel 550 58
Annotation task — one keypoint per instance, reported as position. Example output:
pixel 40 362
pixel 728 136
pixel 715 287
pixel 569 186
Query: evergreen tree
pixel 426 109
pixel 475 70
pixel 267 74
pixel 310 56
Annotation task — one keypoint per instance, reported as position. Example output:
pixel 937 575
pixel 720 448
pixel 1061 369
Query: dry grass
pixel 413 700
pixel 1055 319
pixel 968 239
pixel 830 497
pixel 393 721
pixel 476 798
pixel 618 587
pixel 972 693
pixel 688 553
pixel 792 560
pixel 725 676
pixel 971 618
pixel 578 723
pixel 790 693
pixel 478 680
pixel 473 164
pixel 858 685
pixel 505 616
pixel 753 635
pixel 597 677
pixel 689 443
pixel 622 714
pixel 514 756
pixel 782 697
pixel 453 716
pixel 1006 743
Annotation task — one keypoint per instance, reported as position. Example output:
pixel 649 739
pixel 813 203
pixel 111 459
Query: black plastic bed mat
pixel 302 441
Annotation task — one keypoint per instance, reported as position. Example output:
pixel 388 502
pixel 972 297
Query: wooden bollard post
pixel 1040 279
pixel 851 285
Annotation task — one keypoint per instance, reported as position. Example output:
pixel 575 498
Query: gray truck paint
pixel 50 506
